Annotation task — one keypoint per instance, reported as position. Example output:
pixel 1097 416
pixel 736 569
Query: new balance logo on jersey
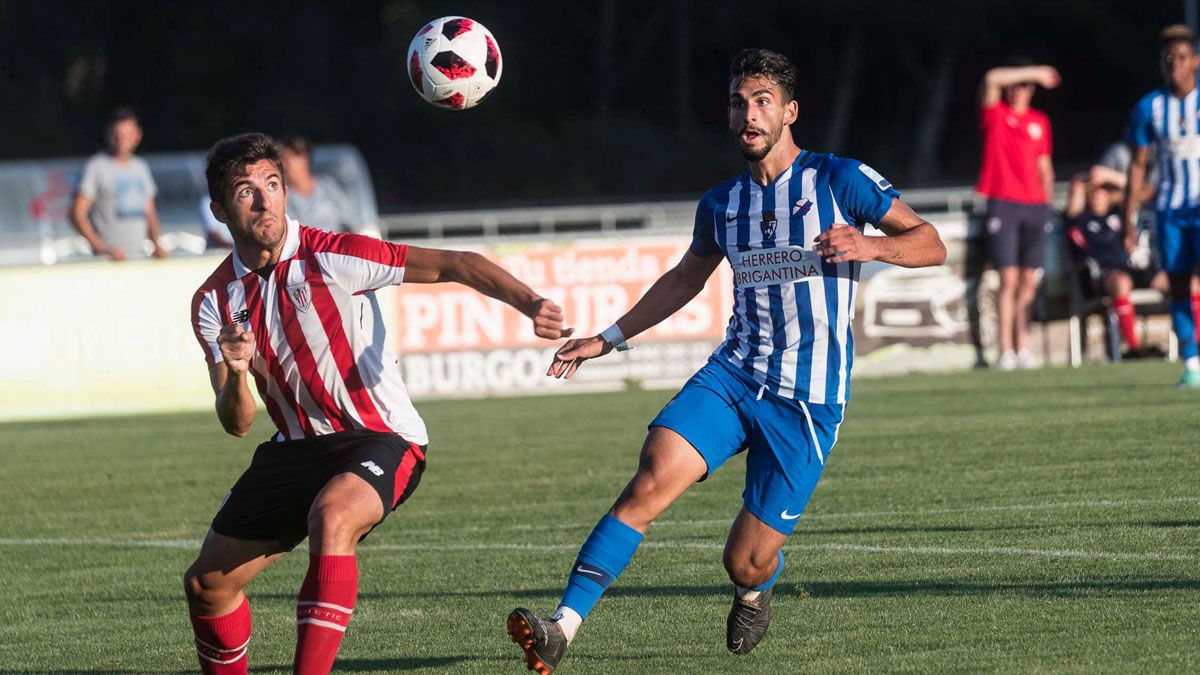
pixel 240 316
pixel 373 467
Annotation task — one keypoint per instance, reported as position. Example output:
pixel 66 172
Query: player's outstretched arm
pixel 910 241
pixel 230 380
pixel 668 295
pixel 430 266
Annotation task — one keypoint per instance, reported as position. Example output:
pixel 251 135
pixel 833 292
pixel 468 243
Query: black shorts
pixel 271 500
pixel 1016 233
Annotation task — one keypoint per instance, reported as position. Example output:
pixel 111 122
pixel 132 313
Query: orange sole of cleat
pixel 521 633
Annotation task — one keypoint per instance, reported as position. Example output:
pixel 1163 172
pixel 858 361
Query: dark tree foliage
pixel 600 99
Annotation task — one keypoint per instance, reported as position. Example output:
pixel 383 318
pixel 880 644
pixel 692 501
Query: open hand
pixel 841 243
pixel 571 355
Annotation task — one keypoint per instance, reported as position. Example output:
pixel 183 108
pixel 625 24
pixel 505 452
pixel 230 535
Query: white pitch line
pixel 855 514
pixel 500 546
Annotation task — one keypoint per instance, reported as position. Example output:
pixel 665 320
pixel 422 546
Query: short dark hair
pixel 230 157
pixel 1177 33
pixel 1018 61
pixel 120 114
pixel 765 63
pixel 297 144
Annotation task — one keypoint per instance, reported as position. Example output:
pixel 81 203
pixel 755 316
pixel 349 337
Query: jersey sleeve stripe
pixel 355 246
pixel 204 319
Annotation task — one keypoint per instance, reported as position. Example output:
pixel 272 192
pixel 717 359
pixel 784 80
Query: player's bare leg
pixel 220 611
pixel 1006 300
pixel 1026 293
pixel 668 466
pixel 752 559
pixel 345 510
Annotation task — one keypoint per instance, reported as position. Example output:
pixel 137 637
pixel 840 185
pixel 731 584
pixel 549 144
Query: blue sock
pixel 1185 327
pixel 774 577
pixel 602 558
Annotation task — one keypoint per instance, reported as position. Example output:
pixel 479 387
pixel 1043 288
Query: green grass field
pixel 1020 522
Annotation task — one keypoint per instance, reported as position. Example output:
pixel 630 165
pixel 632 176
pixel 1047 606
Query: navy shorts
pixel 1016 233
pixel 271 500
pixel 721 412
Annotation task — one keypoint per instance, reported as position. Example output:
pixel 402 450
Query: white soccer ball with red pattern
pixel 454 62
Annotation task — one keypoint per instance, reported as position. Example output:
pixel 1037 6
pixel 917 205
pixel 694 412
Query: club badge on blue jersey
pixel 768 224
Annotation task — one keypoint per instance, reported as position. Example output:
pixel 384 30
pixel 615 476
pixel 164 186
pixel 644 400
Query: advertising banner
pixel 454 342
pixel 104 338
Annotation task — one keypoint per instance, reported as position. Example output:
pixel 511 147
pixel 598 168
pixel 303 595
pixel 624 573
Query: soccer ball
pixel 454 62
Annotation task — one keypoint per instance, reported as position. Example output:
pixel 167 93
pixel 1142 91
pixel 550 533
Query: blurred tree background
pixel 599 99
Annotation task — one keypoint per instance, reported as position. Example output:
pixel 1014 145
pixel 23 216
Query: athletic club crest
pixel 768 224
pixel 300 296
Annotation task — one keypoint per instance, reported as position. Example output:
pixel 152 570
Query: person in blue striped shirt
pixel 1168 119
pixel 792 229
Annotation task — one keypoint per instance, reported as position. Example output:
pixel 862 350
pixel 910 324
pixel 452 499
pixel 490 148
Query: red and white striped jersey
pixel 321 363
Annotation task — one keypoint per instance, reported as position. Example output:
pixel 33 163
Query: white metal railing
pixel 613 217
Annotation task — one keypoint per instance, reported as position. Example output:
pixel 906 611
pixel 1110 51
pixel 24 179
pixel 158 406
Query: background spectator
pixel 1017 177
pixel 1094 229
pixel 216 233
pixel 316 201
pixel 114 206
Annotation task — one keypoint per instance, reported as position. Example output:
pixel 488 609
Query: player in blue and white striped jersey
pixel 792 230
pixel 1169 119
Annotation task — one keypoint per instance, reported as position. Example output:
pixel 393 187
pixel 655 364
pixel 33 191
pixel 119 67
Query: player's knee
pixel 329 523
pixel 749 567
pixel 207 589
pixel 639 502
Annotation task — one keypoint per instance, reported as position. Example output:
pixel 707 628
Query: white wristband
pixel 613 336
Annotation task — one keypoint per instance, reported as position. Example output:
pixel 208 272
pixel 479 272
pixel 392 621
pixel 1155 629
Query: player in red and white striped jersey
pixel 292 308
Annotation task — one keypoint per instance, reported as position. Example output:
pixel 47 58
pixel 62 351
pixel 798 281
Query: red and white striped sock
pixel 222 641
pixel 323 610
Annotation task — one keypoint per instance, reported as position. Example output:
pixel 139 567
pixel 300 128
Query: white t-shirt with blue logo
pixel 119 192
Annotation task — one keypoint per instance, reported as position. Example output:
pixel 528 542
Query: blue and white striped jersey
pixel 1170 123
pixel 790 328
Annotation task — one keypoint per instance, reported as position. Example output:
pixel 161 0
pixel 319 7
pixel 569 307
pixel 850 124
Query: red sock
pixel 1125 317
pixel 323 610
pixel 1196 310
pixel 221 641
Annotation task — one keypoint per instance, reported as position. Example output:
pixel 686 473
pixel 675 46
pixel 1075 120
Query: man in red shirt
pixel 293 309
pixel 1018 180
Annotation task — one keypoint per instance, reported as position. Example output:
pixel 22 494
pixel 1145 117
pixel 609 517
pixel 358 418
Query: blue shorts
pixel 721 412
pixel 1178 240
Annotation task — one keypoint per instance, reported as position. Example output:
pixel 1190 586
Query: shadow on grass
pixel 822 589
pixel 393 665
pixel 1170 523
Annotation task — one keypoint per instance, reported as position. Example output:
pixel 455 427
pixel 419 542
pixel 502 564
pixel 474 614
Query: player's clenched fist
pixel 237 347
pixel 548 320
